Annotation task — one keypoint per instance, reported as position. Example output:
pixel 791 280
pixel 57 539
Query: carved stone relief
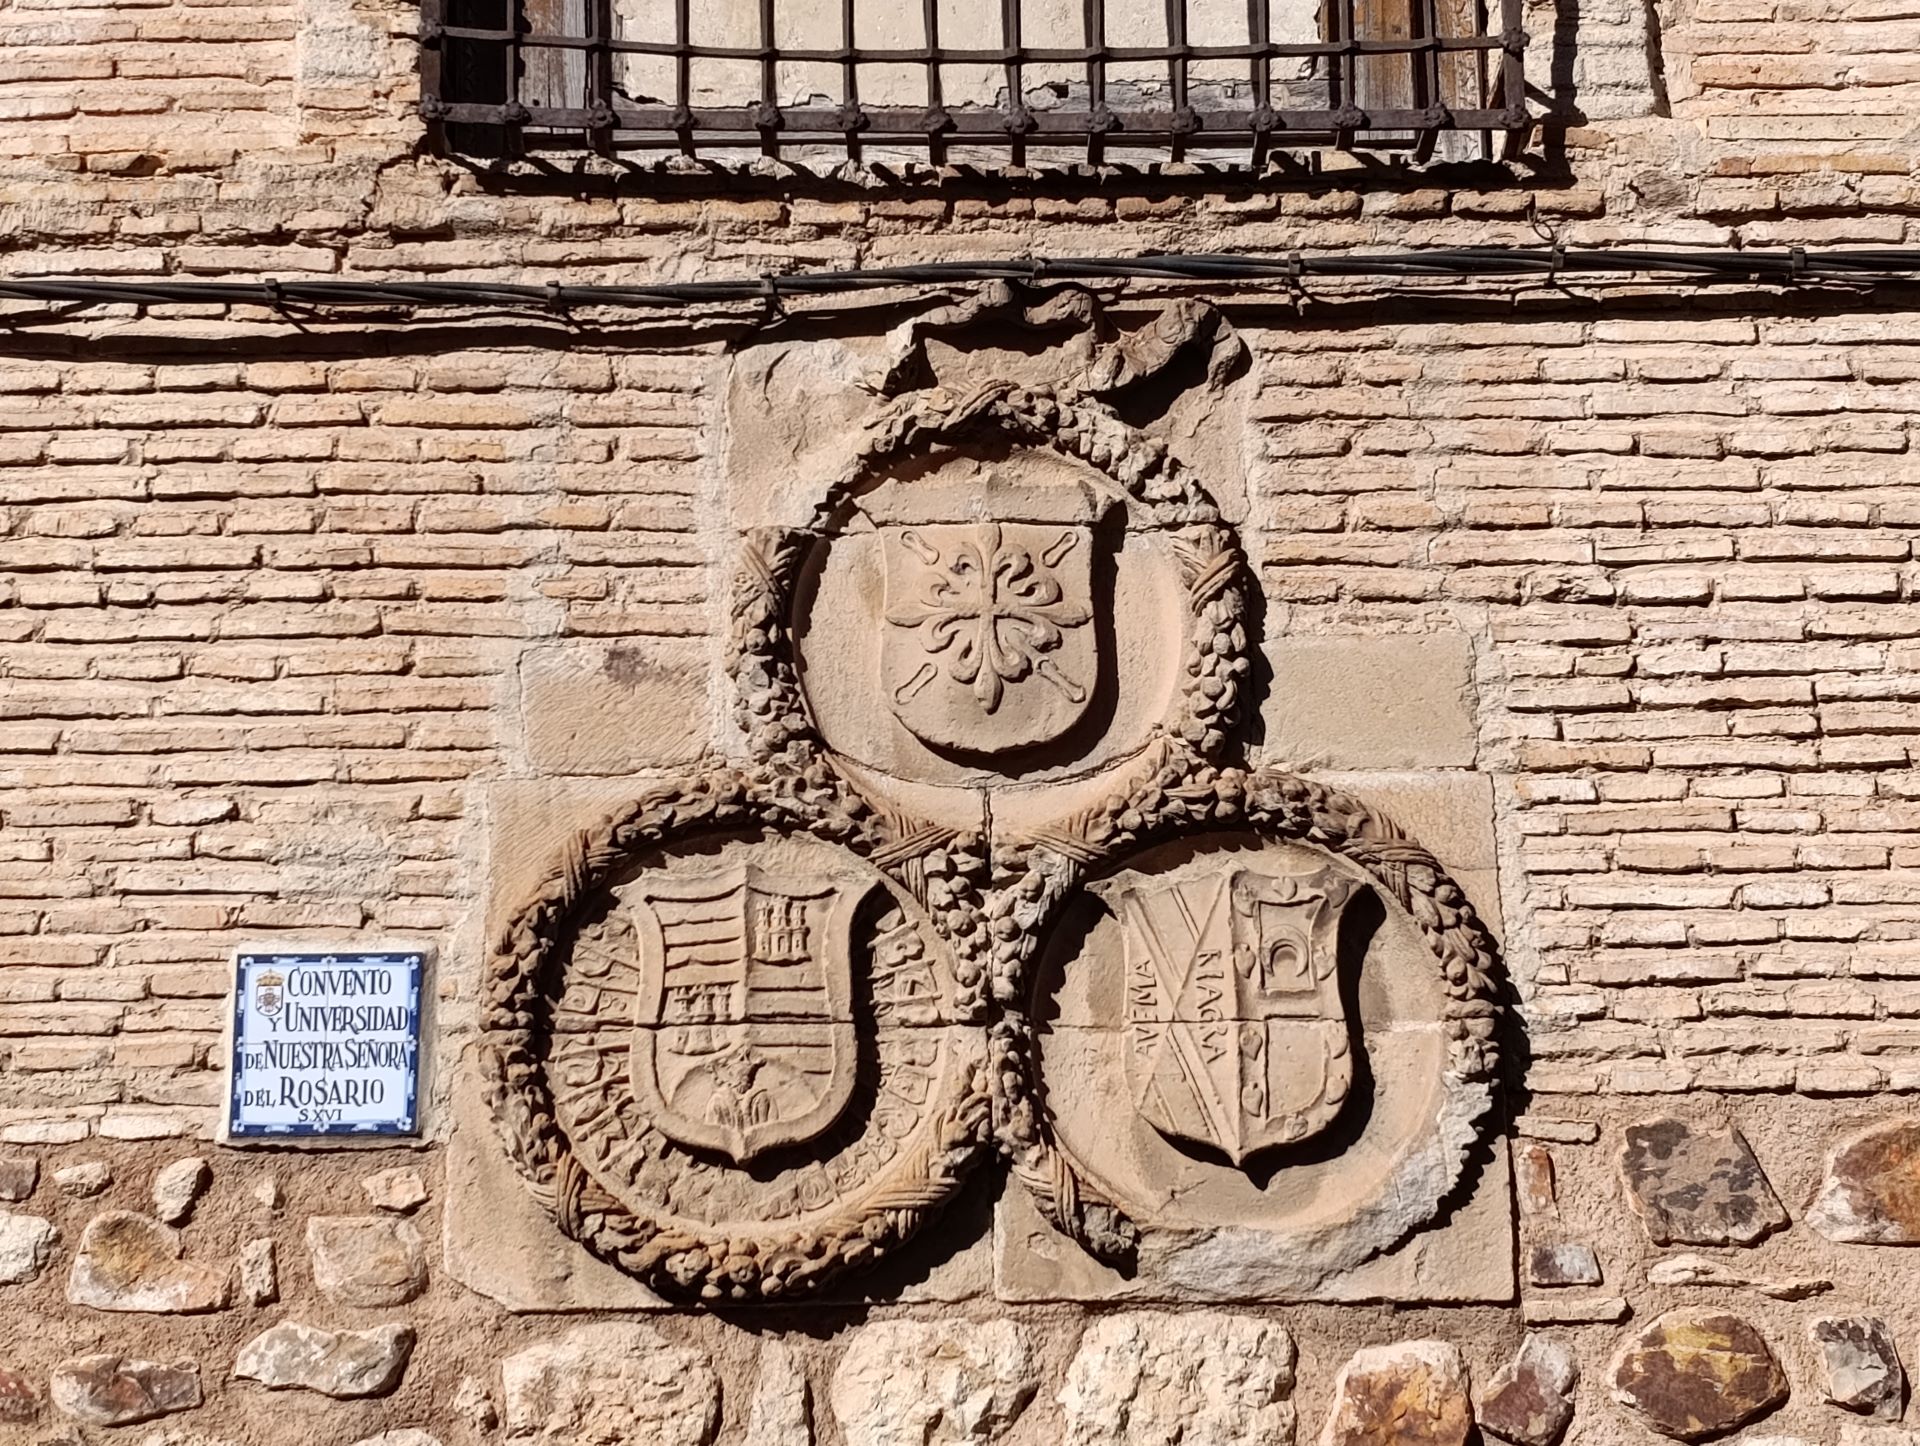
pixel 990 875
pixel 728 1049
pixel 1310 945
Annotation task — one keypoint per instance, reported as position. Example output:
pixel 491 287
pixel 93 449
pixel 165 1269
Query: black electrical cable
pixel 1795 266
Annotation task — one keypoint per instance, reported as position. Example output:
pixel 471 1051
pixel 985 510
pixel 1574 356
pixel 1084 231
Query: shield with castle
pixel 746 1040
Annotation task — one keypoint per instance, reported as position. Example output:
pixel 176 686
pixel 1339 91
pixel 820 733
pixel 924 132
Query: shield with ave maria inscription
pixel 746 1038
pixel 1237 1035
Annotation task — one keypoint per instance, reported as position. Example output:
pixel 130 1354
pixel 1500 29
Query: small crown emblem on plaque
pixel 267 992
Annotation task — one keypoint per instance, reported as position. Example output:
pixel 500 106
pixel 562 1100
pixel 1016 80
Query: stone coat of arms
pixel 746 1038
pixel 1237 1038
pixel 989 645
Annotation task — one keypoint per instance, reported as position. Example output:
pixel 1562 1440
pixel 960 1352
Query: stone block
pixel 366 1260
pixel 1202 1378
pixel 610 1383
pixel 1469 1257
pixel 108 1389
pixel 26 1244
pixel 1697 1374
pixel 1370 701
pixel 616 709
pixel 345 1365
pixel 129 1262
pixel 1530 1399
pixel 1413 1393
pixel 1697 1185
pixel 943 1383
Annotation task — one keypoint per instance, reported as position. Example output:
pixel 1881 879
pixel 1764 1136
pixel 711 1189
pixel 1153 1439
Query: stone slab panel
pixel 1352 701
pixel 1468 1257
pixel 637 704
pixel 499 1242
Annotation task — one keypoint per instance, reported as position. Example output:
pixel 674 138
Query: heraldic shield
pixel 1237 1036
pixel 988 644
pixel 746 1038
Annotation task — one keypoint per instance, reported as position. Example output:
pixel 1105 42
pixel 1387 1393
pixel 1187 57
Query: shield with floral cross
pixel 989 644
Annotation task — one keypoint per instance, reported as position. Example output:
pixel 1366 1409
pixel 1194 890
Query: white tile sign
pixel 325 1044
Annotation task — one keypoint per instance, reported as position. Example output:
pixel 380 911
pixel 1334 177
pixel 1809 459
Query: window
pixel 979 81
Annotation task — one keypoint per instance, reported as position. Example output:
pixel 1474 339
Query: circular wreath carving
pixel 770 707
pixel 1180 794
pixel 528 968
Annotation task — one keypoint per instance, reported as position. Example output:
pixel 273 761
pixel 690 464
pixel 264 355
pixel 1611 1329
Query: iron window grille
pixel 1001 81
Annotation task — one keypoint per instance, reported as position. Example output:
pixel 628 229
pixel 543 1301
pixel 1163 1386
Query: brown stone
pixel 1692 1185
pixel 609 1383
pixel 367 1260
pixel 18 1175
pixel 1695 1374
pixel 611 710
pixel 1570 1263
pixel 1871 1193
pixel 109 1389
pixel 129 1262
pixel 1397 701
pixel 1863 1366
pixel 1410 1394
pixel 19 1397
pixel 343 1364
pixel 1530 1401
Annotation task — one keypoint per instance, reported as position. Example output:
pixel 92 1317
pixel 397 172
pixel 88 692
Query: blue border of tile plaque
pixel 406 1123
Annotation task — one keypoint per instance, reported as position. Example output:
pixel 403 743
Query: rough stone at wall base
pixel 1530 1399
pixel 367 1260
pixel 610 1383
pixel 400 1191
pixel 1700 1270
pixel 26 1244
pixel 1695 1374
pixel 1871 1191
pixel 108 1389
pixel 19 1397
pixel 1695 1185
pixel 780 1411
pixel 1862 1363
pixel 130 1262
pixel 928 1383
pixel 1413 1393
pixel 18 1176
pixel 342 1364
pixel 178 1187
pixel 1203 1378
pixel 83 1180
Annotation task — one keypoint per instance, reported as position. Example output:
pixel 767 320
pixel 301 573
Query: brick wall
pixel 286 600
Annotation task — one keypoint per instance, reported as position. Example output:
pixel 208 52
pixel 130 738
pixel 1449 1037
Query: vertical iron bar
pixel 1343 78
pixel 1260 33
pixel 1177 73
pixel 1094 13
pixel 683 73
pixel 1513 89
pixel 600 73
pixel 769 80
pixel 936 89
pixel 433 20
pixel 1016 91
pixel 1427 74
pixel 515 134
pixel 1481 84
pixel 849 77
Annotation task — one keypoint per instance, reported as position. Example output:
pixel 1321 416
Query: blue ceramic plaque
pixel 325 1044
